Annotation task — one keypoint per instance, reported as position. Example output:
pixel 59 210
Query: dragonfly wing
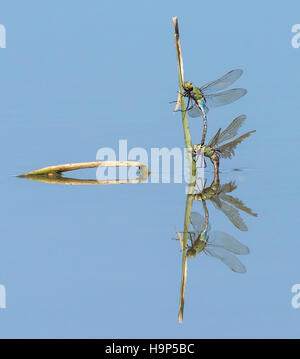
pixel 232 129
pixel 198 221
pixel 231 213
pixel 236 202
pixel 224 240
pixel 227 150
pixel 225 97
pixel 228 187
pixel 195 110
pixel 215 140
pixel 226 257
pixel 223 82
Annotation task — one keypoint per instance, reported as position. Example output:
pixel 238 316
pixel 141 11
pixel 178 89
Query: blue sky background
pixel 98 261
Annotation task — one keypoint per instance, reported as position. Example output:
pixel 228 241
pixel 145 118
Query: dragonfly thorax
pixel 205 150
pixel 208 151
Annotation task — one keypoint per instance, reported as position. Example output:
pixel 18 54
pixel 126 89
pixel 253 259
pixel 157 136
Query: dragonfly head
pixel 188 86
pixel 196 148
pixel 191 253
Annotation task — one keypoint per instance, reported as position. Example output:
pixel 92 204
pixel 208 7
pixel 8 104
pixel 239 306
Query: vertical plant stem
pixel 192 163
pixel 185 123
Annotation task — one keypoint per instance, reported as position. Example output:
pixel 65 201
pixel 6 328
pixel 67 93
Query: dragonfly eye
pixel 188 86
pixel 191 253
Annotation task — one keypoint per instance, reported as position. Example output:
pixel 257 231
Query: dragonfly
pixel 200 99
pixel 224 202
pixel 216 244
pixel 214 151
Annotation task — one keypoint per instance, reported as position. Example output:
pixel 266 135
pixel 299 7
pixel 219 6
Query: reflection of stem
pixel 182 290
pixel 187 220
pixel 57 170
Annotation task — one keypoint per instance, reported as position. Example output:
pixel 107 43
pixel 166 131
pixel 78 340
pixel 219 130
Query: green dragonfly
pixel 204 97
pixel 200 99
pixel 224 202
pixel 216 244
pixel 214 151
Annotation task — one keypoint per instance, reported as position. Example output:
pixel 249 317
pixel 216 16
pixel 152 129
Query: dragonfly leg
pixel 188 106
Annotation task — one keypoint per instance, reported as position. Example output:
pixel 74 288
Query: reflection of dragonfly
pixel 214 151
pixel 216 244
pixel 224 202
pixel 200 99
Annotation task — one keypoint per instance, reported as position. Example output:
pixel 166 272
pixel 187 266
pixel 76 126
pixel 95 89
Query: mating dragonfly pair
pixel 219 244
pixel 216 244
pixel 199 101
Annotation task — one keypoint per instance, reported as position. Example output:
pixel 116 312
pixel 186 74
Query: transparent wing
pixel 224 240
pixel 226 257
pixel 223 82
pixel 232 129
pixel 215 140
pixel 228 187
pixel 193 236
pixel 236 202
pixel 225 97
pixel 231 213
pixel 227 150
pixel 197 222
pixel 195 110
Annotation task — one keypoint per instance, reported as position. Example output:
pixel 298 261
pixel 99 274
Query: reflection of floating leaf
pixel 82 182
pixel 52 174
